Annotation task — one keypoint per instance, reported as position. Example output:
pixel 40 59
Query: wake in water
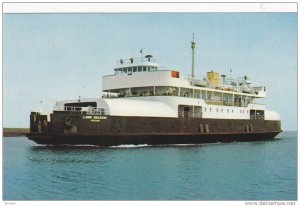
pixel 123 146
pixel 130 146
pixel 165 145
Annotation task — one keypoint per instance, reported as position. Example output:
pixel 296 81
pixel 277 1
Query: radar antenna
pixel 193 45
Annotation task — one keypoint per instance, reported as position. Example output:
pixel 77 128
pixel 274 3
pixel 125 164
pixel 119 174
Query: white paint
pixel 142 79
pixel 132 107
pixel 173 102
pixel 271 115
pixel 167 106
pixel 59 106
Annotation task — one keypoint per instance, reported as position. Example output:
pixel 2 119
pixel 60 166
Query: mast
pixel 193 45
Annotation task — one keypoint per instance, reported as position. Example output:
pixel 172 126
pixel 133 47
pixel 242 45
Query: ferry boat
pixel 143 103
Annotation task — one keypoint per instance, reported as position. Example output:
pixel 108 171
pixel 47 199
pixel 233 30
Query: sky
pixel 51 57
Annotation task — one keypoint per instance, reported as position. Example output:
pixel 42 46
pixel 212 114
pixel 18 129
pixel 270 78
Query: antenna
pixel 149 56
pixel 193 45
pixel 41 106
pixel 141 52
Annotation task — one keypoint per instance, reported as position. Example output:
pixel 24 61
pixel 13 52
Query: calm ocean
pixel 264 170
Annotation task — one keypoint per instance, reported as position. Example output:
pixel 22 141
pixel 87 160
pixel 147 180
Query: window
pixel 166 91
pixel 77 106
pixel 144 69
pixel 197 94
pixel 205 109
pixel 117 71
pixel 142 91
pixel 209 95
pixel 185 92
pixel 221 110
pixel 232 110
pixel 140 69
pixel 129 71
pixel 134 69
pixel 210 109
pixel 217 110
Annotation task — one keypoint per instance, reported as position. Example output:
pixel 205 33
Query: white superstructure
pixel 140 87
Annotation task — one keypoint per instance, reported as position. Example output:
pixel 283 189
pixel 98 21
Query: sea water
pixel 262 170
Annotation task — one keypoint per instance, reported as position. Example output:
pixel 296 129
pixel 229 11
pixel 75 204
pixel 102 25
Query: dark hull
pixel 80 129
pixel 149 139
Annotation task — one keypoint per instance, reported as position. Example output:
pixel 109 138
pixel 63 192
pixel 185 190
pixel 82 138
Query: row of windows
pixel 228 110
pixel 135 69
pixel 210 97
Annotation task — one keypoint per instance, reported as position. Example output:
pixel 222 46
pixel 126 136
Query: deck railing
pixel 226 103
pixel 190 114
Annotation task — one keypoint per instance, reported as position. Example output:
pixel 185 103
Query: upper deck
pixel 132 65
pixel 144 77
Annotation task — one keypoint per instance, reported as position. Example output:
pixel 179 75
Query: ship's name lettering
pixel 94 117
pixel 99 117
pixel 95 120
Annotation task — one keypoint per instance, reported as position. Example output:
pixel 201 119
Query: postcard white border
pixel 180 7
